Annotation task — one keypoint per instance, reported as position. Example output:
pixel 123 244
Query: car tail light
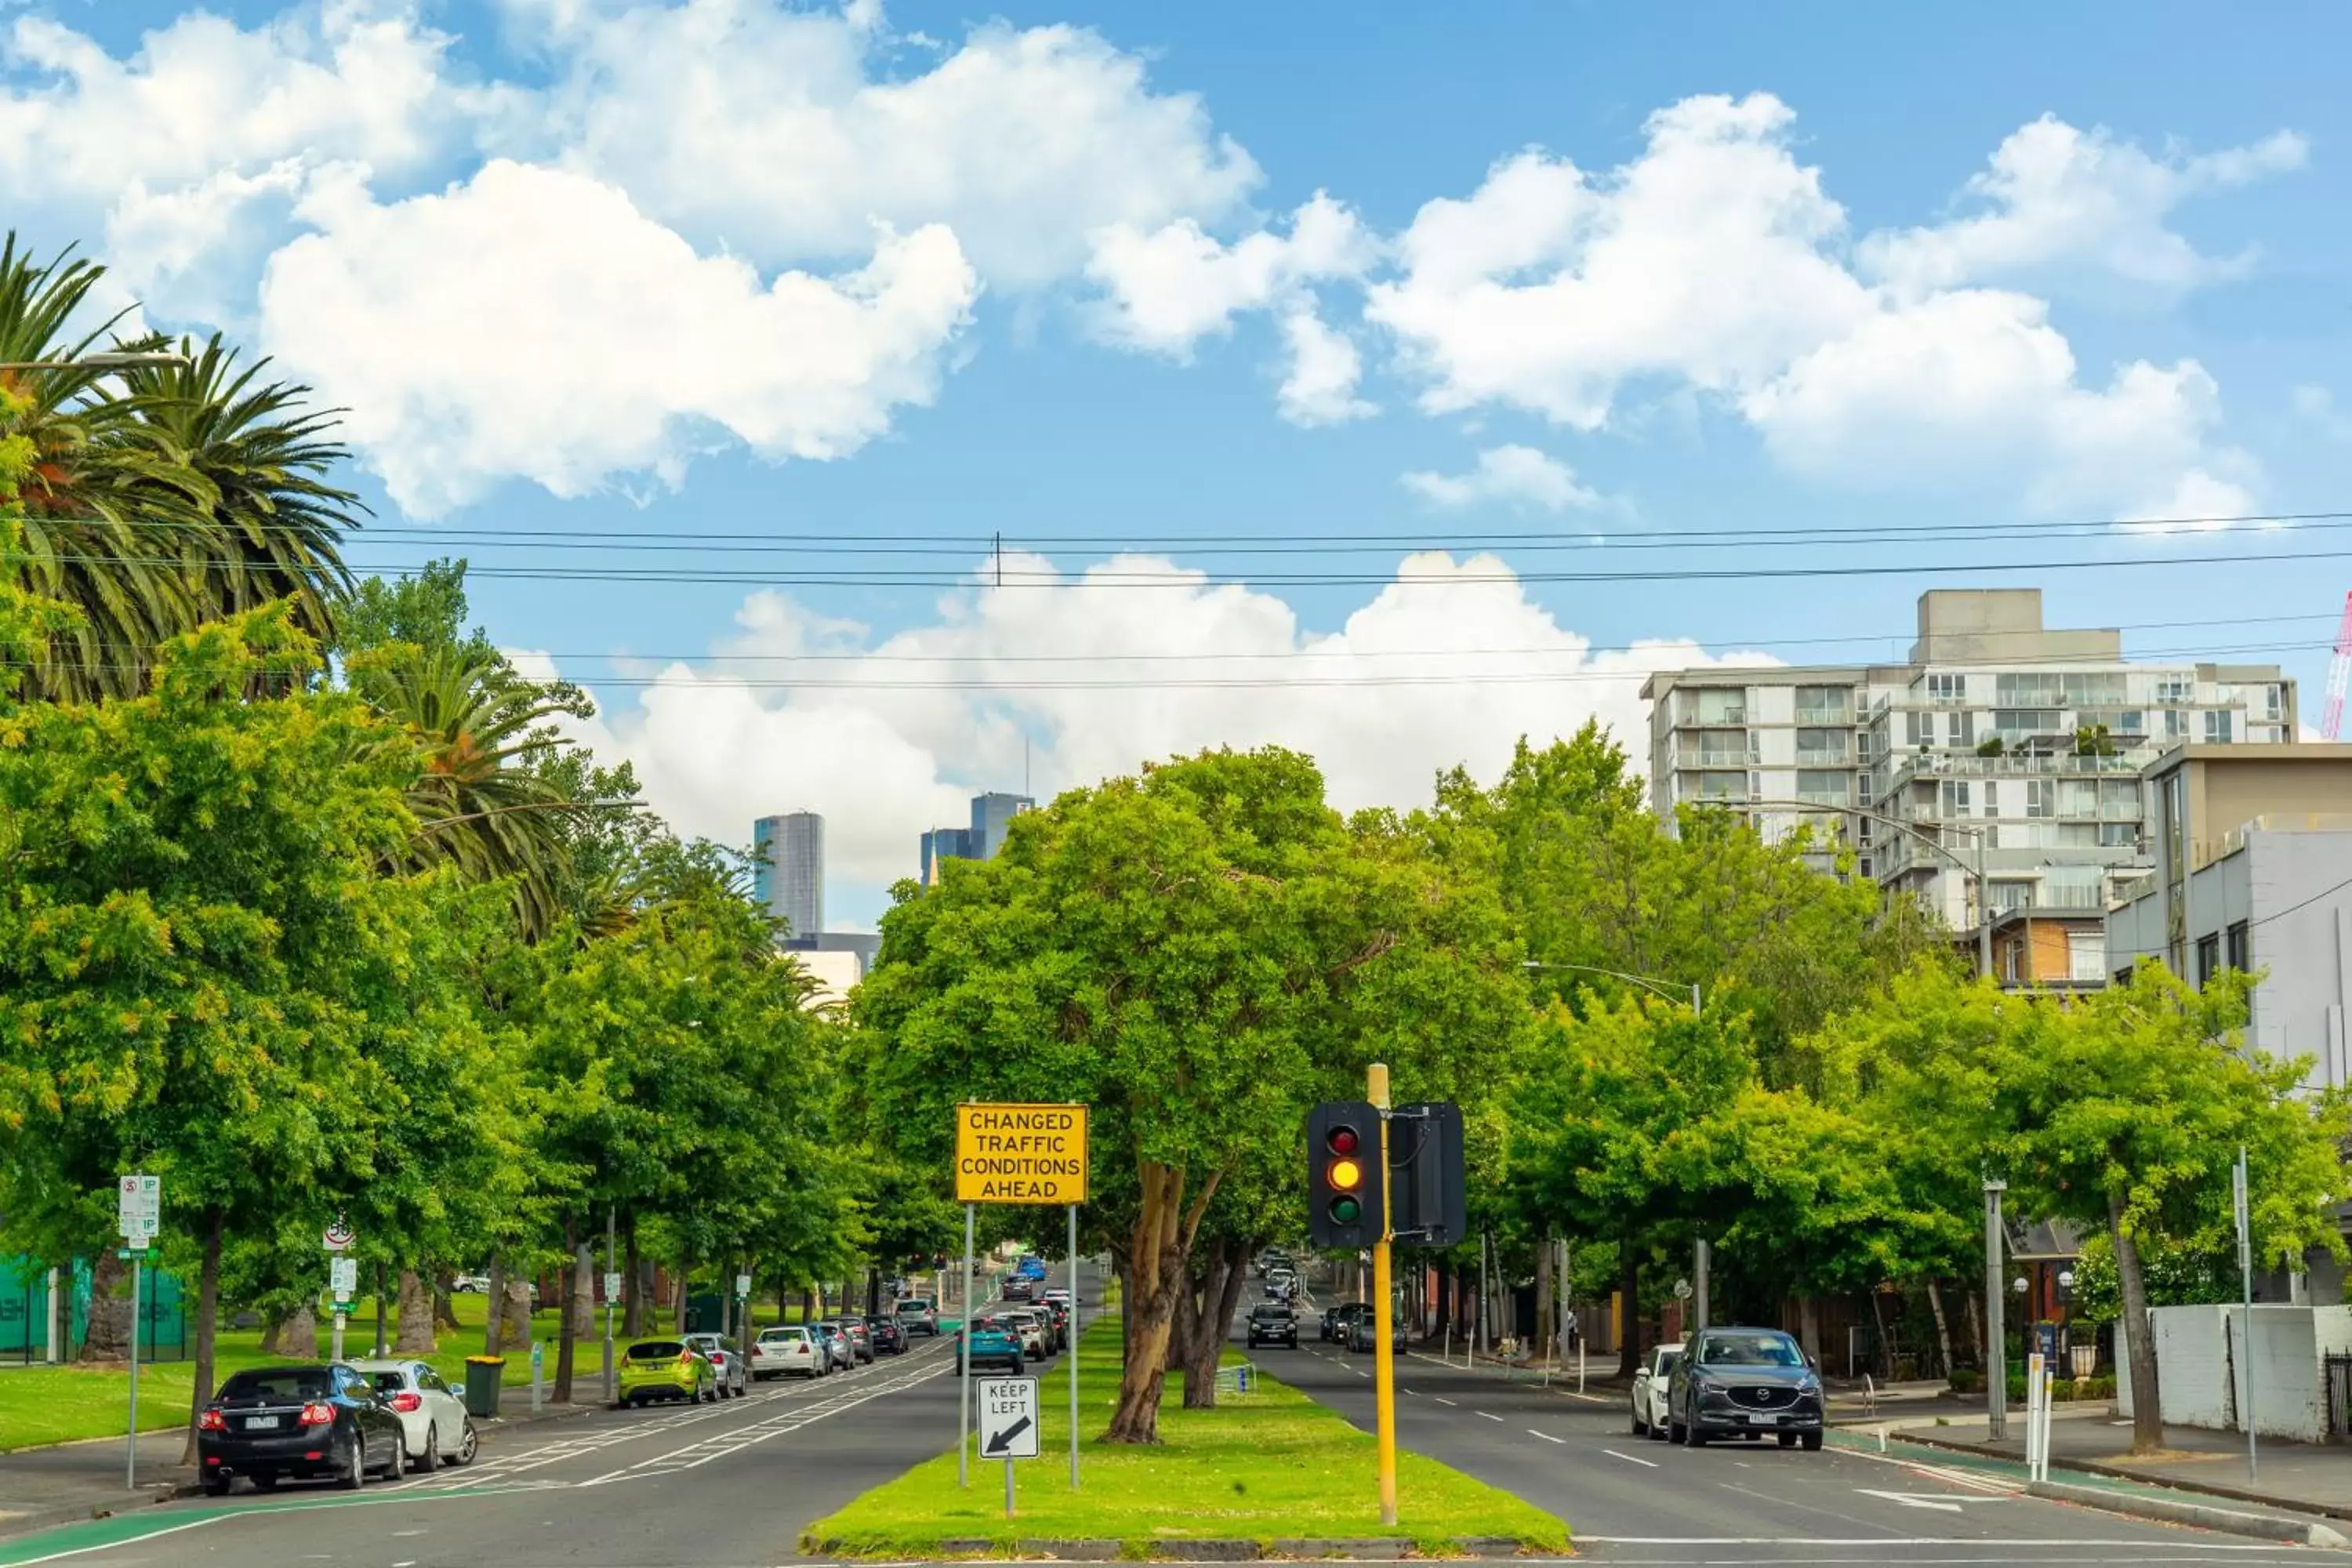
pixel 212 1421
pixel 686 1358
pixel 405 1402
pixel 318 1413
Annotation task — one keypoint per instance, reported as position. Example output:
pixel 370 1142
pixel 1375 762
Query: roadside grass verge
pixel 1267 1465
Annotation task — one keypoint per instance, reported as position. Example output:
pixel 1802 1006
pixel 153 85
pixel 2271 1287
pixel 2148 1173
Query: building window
pixel 2274 705
pixel 2208 958
pixel 2173 689
pixel 2118 835
pixel 1863 866
pixel 1947 690
pixel 1956 797
pixel 2008 961
pixel 2008 897
pixel 2087 957
pixel 1714 705
pixel 1992 798
pixel 2238 950
pixel 2076 887
pixel 1824 705
pixel 2175 725
pixel 2040 797
pixel 2028 690
pixel 1822 748
pixel 2122 976
pixel 2217 726
pixel 1817 787
pixel 1961 728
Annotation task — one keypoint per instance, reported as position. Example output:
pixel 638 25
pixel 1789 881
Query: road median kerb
pixel 2204 1516
pixel 1373 1548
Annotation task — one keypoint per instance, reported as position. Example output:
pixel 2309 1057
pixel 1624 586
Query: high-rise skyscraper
pixel 944 844
pixel 788 870
pixel 992 814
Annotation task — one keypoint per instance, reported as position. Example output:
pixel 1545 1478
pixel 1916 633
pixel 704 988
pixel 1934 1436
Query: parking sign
pixel 139 1208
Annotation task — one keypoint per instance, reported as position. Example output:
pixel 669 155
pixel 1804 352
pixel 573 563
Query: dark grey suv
pixel 1744 1383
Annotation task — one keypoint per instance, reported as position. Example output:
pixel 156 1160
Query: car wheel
pixel 430 1460
pixel 1693 1436
pixel 1640 1428
pixel 1674 1430
pixel 264 1480
pixel 354 1474
pixel 469 1442
pixel 216 1484
pixel 396 1464
pixel 1813 1441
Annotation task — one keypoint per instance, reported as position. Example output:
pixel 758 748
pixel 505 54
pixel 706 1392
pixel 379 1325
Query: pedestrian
pixel 1568 1327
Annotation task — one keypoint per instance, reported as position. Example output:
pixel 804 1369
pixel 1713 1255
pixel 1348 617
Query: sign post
pixel 1008 1425
pixel 343 1274
pixel 139 1216
pixel 1018 1155
pixel 2240 1200
pixel 1376 1090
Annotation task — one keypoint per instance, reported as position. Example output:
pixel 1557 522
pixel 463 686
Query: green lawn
pixel 61 1404
pixel 1272 1464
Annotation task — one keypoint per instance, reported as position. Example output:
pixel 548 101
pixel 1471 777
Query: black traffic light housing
pixel 1345 1178
pixel 1427 1204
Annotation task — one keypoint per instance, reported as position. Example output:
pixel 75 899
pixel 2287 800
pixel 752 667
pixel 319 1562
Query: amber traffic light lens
pixel 1346 1175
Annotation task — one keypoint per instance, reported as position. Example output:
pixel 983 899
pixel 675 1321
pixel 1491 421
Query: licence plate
pixel 261 1423
pixel 1766 1420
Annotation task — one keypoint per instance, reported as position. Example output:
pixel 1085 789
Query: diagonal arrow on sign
pixel 1003 1441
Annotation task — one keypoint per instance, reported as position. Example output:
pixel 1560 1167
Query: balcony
pixel 1836 716
pixel 1824 757
pixel 1917 764
pixel 1716 754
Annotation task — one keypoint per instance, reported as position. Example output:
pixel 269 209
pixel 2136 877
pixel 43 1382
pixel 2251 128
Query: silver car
pixel 734 1376
pixel 789 1349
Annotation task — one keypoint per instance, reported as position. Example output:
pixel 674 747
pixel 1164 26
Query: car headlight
pixel 1811 1386
pixel 1709 1392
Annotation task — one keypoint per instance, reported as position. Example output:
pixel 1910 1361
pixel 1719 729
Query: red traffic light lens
pixel 1341 1140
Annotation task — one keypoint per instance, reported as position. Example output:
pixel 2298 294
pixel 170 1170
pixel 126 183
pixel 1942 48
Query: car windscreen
pixel 280 1383
pixel 387 1381
pixel 1749 1350
pixel 783 1336
pixel 914 1304
pixel 1666 1359
pixel 1270 1312
pixel 656 1350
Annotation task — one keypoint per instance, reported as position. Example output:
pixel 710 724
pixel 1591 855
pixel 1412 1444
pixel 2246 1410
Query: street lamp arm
pixel 1661 987
pixel 1984 888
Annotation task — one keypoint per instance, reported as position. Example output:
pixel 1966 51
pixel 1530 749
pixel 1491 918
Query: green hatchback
pixel 666 1369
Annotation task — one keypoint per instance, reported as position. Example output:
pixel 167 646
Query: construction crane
pixel 2339 671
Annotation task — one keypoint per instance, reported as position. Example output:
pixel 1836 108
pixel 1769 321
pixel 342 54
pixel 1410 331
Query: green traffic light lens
pixel 1346 1211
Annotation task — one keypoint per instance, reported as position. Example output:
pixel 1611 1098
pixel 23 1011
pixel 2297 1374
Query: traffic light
pixel 1427 1204
pixel 1345 1175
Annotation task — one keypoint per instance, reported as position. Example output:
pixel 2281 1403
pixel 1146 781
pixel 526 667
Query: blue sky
pixel 1066 272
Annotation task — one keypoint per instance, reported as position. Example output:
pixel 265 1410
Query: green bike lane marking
pixel 69 1541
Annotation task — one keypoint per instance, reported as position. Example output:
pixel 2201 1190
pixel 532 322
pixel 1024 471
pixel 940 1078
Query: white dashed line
pixel 1646 1464
pixel 1490 1416
pixel 1545 1436
pixel 1442 1400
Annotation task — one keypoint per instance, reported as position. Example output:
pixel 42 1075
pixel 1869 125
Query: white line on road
pixel 1545 1436
pixel 1442 1400
pixel 1910 1501
pixel 1490 1416
pixel 1646 1464
pixel 2169 1545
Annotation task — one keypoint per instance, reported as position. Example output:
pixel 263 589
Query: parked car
pixel 1057 1319
pixel 1746 1381
pixel 861 1341
pixel 1018 1287
pixel 1273 1258
pixel 1337 1319
pixel 1060 1293
pixel 993 1343
pixel 470 1285
pixel 433 1415
pixel 303 1421
pixel 1281 1284
pixel 1036 1342
pixel 840 1355
pixel 1650 1381
pixel 916 1315
pixel 1272 1324
pixel 1031 1267
pixel 726 1363
pixel 888 1338
pixel 666 1369
pixel 788 1350
pixel 1363 1332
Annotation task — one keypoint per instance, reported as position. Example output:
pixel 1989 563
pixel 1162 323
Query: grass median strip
pixel 1271 1465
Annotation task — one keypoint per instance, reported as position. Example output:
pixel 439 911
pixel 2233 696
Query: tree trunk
pixel 1976 1327
pixel 295 1334
pixel 416 1316
pixel 1884 1356
pixel 1808 1325
pixel 633 1293
pixel 1943 1323
pixel 445 1305
pixel 583 1291
pixel 567 1338
pixel 1546 1324
pixel 208 1322
pixel 2147 1401
pixel 519 1331
pixel 1205 1318
pixel 1629 1281
pixel 494 1329
pixel 108 1334
pixel 1164 1227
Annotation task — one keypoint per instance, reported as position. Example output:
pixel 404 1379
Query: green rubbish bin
pixel 485 1375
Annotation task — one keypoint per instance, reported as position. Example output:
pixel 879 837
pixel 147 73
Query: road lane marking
pixel 1909 1499
pixel 1545 1436
pixel 2145 1546
pixel 1490 1417
pixel 1646 1464
pixel 1442 1400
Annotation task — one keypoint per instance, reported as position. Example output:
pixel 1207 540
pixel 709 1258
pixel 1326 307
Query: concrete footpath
pixel 41 1488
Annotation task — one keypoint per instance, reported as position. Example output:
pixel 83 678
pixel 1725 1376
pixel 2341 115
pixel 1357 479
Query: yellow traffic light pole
pixel 1376 1090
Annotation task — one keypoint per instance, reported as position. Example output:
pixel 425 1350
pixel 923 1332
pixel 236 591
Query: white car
pixel 1650 1419
pixel 470 1285
pixel 733 1379
pixel 432 1414
pixel 779 1351
pixel 1035 1338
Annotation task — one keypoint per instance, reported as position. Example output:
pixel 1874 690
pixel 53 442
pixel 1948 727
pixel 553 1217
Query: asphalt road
pixel 1631 1500
pixel 704 1486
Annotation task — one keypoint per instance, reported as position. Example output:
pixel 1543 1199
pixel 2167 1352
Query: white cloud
pixel 1448 663
pixel 1168 288
pixel 1325 369
pixel 2061 196
pixel 1510 475
pixel 579 339
pixel 773 129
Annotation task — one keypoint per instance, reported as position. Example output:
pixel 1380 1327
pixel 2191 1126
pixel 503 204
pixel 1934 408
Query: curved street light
pixel 126 359
pixel 1984 888
pixel 1665 988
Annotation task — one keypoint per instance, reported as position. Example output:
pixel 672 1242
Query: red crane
pixel 2339 670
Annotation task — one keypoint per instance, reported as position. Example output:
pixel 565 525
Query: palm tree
pixel 158 498
pixel 481 802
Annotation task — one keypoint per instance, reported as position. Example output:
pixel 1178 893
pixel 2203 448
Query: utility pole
pixel 1376 1090
pixel 610 1391
pixel 1996 1352
pixel 1702 1255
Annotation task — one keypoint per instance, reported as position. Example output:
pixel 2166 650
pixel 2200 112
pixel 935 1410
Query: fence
pixel 2338 1369
pixel 24 1313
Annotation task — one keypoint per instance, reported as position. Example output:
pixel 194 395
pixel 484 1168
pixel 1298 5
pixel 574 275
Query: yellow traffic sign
pixel 1021 1153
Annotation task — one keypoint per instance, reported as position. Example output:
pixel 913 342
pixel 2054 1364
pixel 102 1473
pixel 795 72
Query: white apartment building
pixel 2000 744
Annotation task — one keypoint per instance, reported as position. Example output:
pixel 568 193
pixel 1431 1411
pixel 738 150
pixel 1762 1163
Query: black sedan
pixel 890 1337
pixel 270 1423
pixel 1273 1323
pixel 1744 1383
